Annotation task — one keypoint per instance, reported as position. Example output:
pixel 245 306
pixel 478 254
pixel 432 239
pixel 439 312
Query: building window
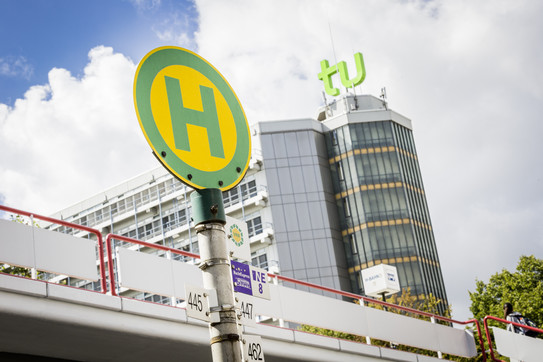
pixel 261 260
pixel 354 246
pixel 346 208
pixel 340 173
pixel 230 197
pixel 255 226
pixel 334 137
pixel 248 190
pixel 182 215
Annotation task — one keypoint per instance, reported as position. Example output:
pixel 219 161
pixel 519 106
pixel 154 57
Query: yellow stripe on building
pixel 396 260
pixel 364 151
pixel 382 223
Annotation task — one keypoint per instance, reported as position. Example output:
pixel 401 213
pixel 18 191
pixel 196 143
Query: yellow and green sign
pixel 192 119
pixel 236 235
pixel 328 71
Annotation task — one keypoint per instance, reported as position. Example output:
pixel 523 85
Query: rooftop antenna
pixel 332 41
pixel 326 106
pixel 333 47
pixel 335 60
pixel 354 93
pixel 383 96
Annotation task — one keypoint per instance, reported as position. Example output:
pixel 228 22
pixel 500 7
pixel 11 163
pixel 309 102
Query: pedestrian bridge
pixel 45 319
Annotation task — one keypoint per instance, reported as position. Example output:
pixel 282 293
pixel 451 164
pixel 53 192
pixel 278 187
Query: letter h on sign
pixel 182 116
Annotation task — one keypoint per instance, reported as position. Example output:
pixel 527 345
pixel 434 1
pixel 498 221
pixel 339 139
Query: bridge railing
pixel 166 276
pixel 136 277
pixel 513 345
pixel 134 271
pixel 380 324
pixel 35 248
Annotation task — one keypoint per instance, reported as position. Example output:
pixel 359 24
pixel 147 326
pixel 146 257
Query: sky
pixel 467 73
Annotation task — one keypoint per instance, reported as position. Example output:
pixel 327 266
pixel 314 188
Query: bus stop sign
pixel 192 119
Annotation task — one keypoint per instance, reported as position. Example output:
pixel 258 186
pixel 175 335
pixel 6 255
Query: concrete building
pixel 323 199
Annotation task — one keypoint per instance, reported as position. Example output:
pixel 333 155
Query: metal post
pixel 384 299
pixel 33 271
pixel 439 353
pixel 209 218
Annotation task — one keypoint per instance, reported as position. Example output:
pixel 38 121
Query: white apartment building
pixel 155 207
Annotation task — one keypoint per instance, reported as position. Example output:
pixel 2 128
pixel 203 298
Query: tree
pixel 523 289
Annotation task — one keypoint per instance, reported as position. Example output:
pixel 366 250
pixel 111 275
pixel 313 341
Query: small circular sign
pixel 192 119
pixel 237 235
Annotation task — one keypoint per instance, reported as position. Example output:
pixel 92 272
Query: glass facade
pixel 382 206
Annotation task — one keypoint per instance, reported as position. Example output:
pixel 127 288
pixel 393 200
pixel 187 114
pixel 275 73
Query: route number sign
pixel 252 348
pixel 250 280
pixel 259 283
pixel 197 303
pixel 246 312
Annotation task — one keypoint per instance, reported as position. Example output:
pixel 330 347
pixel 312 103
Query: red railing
pixel 112 285
pixel 109 252
pixel 389 305
pixel 31 215
pixel 487 332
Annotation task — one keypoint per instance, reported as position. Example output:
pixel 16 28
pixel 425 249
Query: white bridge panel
pixel 457 340
pixel 402 329
pixel 517 346
pixel 319 311
pixel 65 254
pixel 185 273
pixel 419 333
pixel 16 244
pixel 45 250
pixel 269 308
pixel 154 274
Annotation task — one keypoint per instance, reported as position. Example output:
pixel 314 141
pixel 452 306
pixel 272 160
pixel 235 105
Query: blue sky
pixel 467 73
pixel 40 35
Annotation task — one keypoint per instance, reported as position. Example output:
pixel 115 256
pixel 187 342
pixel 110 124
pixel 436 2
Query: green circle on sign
pixel 192 119
pixel 236 235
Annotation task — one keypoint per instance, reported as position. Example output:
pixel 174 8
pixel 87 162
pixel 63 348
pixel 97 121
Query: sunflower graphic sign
pixel 237 239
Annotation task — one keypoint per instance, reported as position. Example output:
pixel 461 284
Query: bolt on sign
pixel 328 71
pixel 192 119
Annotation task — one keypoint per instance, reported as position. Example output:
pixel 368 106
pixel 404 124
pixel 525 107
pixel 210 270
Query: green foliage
pixel 523 289
pixel 424 303
pixel 15 270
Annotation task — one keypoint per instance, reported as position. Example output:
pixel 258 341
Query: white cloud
pixel 177 29
pixel 72 137
pixel 12 66
pixel 146 5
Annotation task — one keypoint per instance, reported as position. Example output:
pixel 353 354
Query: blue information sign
pixel 241 275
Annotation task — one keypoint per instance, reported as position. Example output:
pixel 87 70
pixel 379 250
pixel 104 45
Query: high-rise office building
pixel 323 199
pixel 380 195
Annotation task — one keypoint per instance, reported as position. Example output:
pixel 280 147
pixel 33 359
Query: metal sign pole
pixel 165 121
pixel 209 218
